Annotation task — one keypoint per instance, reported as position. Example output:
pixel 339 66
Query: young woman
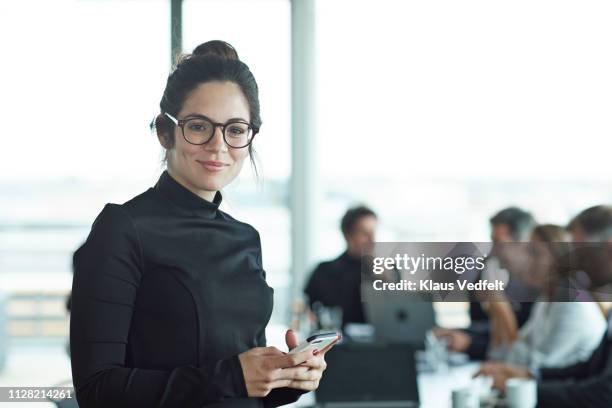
pixel 169 298
pixel 557 333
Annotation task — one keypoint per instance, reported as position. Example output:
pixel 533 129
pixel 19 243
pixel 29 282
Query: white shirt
pixel 558 334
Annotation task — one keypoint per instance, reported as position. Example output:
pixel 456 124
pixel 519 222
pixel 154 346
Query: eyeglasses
pixel 199 130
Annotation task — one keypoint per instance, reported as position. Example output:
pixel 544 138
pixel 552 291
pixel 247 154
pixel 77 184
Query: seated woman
pixel 557 333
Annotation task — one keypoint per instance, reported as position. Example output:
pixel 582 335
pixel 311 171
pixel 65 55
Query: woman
pixel 557 333
pixel 169 298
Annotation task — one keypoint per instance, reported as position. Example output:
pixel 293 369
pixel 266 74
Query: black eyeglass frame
pixel 181 123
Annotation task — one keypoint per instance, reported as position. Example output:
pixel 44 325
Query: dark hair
pixel 210 61
pixel 217 47
pixel 351 217
pixel 520 222
pixel 557 240
pixel 550 233
pixel 596 222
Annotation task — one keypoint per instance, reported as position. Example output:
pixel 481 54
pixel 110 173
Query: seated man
pixel 338 282
pixel 586 384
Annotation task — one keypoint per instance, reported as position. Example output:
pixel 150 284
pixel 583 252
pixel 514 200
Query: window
pixel 450 111
pixel 79 92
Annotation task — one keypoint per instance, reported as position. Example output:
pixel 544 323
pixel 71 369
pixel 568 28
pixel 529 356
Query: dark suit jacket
pixel 338 283
pixel 586 385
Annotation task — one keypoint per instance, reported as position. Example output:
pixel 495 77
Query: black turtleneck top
pixel 167 291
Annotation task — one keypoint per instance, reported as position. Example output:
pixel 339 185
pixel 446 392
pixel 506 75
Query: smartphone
pixel 317 341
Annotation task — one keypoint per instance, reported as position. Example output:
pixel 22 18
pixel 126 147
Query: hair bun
pixel 216 47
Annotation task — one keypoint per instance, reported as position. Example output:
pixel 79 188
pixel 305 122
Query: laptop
pixel 398 316
pixel 372 375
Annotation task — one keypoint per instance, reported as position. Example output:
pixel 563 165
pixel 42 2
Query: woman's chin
pixel 213 184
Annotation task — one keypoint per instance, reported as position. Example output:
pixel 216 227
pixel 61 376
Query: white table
pixel 435 388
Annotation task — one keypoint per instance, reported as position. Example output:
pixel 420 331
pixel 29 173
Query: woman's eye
pixel 198 126
pixel 236 131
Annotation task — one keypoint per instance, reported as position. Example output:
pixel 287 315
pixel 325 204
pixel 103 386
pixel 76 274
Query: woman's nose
pixel 216 142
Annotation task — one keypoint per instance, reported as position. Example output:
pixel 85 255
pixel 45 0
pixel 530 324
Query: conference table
pixel 435 387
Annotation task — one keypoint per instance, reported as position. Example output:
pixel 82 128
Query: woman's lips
pixel 213 166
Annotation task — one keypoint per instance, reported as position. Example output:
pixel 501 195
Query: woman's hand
pixel 458 340
pixel 501 372
pixel 266 368
pixel 315 364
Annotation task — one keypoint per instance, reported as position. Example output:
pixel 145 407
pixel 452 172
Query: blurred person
pixel 589 225
pixel 587 384
pixel 554 333
pixel 169 299
pixel 494 323
pixel 337 283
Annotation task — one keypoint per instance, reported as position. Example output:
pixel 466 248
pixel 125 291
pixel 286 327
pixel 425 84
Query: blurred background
pixel 436 114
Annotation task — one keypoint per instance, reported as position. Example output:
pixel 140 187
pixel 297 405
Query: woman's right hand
pixel 267 368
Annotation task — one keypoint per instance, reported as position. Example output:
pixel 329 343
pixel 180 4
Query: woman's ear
pixel 163 140
pixel 163 131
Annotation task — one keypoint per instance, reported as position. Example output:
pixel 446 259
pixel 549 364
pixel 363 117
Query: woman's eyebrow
pixel 196 115
pixel 242 119
pixel 199 115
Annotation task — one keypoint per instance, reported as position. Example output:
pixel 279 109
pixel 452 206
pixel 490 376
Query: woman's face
pixel 542 262
pixel 219 101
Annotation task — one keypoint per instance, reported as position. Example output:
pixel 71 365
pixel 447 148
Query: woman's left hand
pixel 501 372
pixel 316 364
